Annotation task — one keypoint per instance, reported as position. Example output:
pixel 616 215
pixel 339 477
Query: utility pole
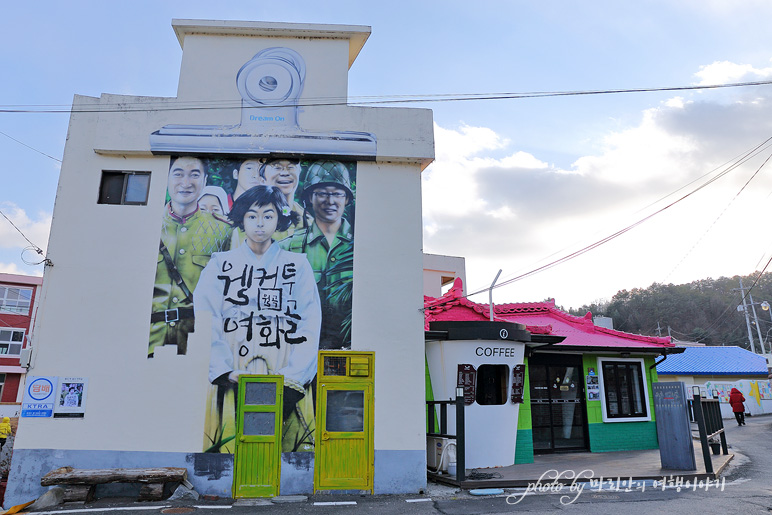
pixel 747 318
pixel 659 329
pixel 758 326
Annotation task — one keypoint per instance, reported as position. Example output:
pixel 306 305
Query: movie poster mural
pixel 265 247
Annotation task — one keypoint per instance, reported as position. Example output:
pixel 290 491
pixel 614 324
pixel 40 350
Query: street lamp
pixel 765 306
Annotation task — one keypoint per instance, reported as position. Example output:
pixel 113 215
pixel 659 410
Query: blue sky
pixel 515 181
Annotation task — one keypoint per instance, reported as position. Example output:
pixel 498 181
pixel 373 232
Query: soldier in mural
pixel 189 236
pixel 329 246
pixel 266 319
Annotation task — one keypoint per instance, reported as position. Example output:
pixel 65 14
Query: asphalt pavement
pixel 744 486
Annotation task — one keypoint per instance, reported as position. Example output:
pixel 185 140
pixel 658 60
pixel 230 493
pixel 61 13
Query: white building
pixel 246 93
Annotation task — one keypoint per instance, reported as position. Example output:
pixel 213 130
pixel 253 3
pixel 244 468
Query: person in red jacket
pixel 736 400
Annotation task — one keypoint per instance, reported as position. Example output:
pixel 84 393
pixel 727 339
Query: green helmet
pixel 327 173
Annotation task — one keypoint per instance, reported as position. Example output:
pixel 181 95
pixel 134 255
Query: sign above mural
pixel 270 85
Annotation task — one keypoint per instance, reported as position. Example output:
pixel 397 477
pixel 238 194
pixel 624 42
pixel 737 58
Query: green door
pixel 258 437
pixel 344 455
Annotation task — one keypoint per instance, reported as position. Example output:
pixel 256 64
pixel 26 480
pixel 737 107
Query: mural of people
pixel 214 200
pixel 329 246
pixel 284 174
pixel 189 236
pixel 266 319
pixel 276 276
pixel 247 176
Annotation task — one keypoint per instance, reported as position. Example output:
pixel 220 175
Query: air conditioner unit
pixel 435 445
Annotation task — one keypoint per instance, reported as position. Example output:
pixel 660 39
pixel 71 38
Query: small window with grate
pixel 127 188
pixel 335 365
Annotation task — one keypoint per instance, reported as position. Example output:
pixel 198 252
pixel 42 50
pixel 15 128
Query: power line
pixel 732 163
pixel 34 247
pixel 625 229
pixel 31 148
pixel 721 214
pixel 122 107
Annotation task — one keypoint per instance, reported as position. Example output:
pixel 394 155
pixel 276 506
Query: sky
pixel 517 183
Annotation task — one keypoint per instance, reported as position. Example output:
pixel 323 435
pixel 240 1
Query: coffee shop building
pixel 576 386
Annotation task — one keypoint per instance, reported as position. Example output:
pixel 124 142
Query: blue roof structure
pixel 714 361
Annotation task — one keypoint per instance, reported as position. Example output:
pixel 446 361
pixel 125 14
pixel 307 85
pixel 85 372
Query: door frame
pixel 360 374
pixel 241 408
pixel 561 360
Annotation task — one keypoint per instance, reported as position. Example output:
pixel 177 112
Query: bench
pixel 79 484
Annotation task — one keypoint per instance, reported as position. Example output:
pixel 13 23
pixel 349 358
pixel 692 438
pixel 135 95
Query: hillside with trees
pixel 702 311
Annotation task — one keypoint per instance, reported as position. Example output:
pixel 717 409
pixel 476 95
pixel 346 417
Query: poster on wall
pixel 593 387
pixel 467 379
pixel 71 397
pixel 721 390
pixel 39 396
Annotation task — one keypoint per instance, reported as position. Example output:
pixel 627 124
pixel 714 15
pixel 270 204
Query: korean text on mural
pixel 276 319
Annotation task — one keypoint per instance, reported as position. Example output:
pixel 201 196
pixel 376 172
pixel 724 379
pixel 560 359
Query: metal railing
pixel 707 414
pixel 460 435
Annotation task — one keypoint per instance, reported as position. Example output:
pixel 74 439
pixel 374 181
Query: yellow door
pixel 257 459
pixel 344 455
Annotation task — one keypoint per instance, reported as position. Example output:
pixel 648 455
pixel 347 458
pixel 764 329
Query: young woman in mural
pixel 737 400
pixel 266 318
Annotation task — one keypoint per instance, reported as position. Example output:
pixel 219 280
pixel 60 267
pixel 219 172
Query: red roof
pixel 539 318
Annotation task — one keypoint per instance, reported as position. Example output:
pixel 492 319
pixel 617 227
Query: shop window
pixel 128 188
pixel 492 384
pixel 15 300
pixel 624 390
pixel 11 341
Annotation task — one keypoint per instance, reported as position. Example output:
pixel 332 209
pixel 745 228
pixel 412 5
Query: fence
pixel 460 435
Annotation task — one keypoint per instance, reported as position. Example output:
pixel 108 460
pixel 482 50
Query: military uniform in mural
pixel 331 256
pixel 186 246
pixel 323 258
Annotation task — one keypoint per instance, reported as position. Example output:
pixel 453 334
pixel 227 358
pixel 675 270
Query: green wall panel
pixel 623 436
pixel 524 446
pixel 524 413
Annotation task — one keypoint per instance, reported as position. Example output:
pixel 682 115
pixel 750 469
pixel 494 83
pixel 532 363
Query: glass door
pixel 558 412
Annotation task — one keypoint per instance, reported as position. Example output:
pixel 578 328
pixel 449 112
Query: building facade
pixel 19 295
pixel 226 243
pixel 592 391
pixel 718 369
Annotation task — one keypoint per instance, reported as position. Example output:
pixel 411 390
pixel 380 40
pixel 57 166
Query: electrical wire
pixel 331 101
pixel 32 246
pixel 721 214
pixel 732 163
pixel 29 147
pixel 618 233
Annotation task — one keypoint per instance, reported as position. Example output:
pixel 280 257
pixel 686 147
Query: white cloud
pixel 723 72
pixel 466 141
pixel 36 228
pixel 641 154
pixel 10 268
pixel 501 207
